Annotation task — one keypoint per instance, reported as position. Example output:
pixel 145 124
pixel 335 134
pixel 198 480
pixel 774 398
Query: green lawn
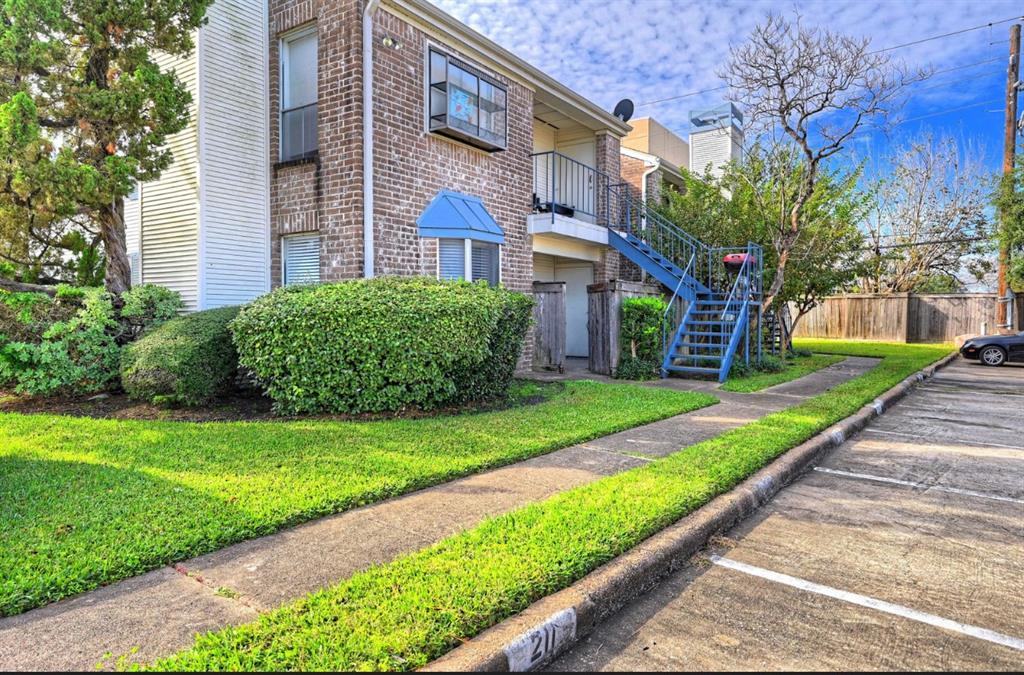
pixel 87 501
pixel 795 367
pixel 401 615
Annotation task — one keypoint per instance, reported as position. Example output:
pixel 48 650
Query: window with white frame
pixel 300 259
pixel 466 104
pixel 299 94
pixel 469 259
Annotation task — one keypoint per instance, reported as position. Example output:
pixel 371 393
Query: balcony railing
pixel 567 187
pixel 298 132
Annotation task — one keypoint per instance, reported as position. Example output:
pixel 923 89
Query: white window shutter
pixel 451 255
pixel 301 256
pixel 136 268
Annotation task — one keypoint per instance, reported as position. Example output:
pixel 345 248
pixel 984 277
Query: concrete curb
pixel 553 624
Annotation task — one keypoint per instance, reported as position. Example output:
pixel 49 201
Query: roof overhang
pixel 453 215
pixel 653 160
pixel 546 89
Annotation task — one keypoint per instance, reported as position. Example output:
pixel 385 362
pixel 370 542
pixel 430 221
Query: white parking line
pixel 894 481
pixel 944 440
pixel 873 603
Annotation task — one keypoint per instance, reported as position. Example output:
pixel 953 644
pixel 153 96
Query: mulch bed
pixel 236 408
pixel 120 407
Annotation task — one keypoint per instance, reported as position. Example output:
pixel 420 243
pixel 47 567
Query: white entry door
pixel 577 276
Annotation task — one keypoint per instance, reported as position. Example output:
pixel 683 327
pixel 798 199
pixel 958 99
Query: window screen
pixel 485 262
pixel 451 255
pixel 299 95
pixel 301 255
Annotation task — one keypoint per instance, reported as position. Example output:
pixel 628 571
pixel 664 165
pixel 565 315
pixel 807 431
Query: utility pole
pixel 1009 148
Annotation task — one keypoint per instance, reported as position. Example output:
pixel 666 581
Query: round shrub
pixel 189 360
pixel 382 344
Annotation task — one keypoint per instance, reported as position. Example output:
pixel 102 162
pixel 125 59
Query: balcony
pixel 572 200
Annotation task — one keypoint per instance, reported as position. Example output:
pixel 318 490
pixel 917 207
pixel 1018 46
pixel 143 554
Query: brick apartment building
pixel 467 162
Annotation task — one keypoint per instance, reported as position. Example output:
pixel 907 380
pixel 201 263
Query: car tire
pixel 992 356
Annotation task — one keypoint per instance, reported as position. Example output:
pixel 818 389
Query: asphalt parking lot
pixel 903 549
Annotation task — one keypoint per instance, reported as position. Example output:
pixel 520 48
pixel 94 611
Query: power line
pixel 946 35
pixel 676 98
pixel 944 112
pixel 877 51
pixel 961 240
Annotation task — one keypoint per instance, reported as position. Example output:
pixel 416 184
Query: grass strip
pixel 401 615
pixel 795 367
pixel 84 502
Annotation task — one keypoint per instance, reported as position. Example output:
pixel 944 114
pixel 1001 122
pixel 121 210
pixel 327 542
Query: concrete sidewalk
pixel 160 612
pixel 902 550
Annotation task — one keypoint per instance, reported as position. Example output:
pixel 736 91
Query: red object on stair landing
pixel 734 261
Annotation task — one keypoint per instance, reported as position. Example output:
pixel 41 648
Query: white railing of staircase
pixel 671 304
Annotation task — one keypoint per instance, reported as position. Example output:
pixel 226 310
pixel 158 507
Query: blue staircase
pixel 708 318
pixel 716 323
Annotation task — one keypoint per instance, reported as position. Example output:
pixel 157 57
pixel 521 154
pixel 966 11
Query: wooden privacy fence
pixel 605 318
pixel 900 317
pixel 549 324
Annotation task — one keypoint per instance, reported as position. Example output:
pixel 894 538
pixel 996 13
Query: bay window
pixel 468 259
pixel 465 104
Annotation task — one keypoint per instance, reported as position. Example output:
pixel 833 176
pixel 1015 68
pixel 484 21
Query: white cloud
pixel 652 49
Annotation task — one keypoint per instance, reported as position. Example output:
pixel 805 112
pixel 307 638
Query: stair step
pixel 699 357
pixel 701 345
pixel 709 322
pixel 692 369
pixel 709 334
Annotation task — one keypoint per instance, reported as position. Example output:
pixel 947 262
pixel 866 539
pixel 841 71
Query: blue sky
pixel 652 49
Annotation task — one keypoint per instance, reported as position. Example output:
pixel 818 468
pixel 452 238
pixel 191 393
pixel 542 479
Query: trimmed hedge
pixel 383 344
pixel 640 336
pixel 189 360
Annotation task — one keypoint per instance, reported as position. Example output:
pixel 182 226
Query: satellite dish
pixel 623 109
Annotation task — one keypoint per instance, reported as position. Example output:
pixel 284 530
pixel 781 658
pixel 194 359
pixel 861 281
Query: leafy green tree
pixel 753 197
pixel 930 229
pixel 85 111
pixel 1009 201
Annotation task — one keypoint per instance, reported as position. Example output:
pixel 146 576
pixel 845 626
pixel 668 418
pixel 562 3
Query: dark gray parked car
pixel 995 350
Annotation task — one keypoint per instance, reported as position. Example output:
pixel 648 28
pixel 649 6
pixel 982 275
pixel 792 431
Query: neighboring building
pixel 716 138
pixel 482 166
pixel 652 159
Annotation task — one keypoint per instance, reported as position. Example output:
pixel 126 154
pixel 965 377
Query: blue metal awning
pixel 453 215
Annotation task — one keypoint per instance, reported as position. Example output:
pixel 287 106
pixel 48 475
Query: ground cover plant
pixel 400 615
pixel 71 344
pixel 791 369
pixel 88 501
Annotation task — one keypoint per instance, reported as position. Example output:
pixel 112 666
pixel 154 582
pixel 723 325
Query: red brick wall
pixel 633 173
pixel 325 194
pixel 412 165
pixel 607 158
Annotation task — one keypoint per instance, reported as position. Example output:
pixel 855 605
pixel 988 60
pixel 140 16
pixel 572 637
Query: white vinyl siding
pixel 451 254
pixel 300 258
pixel 235 224
pixel 170 205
